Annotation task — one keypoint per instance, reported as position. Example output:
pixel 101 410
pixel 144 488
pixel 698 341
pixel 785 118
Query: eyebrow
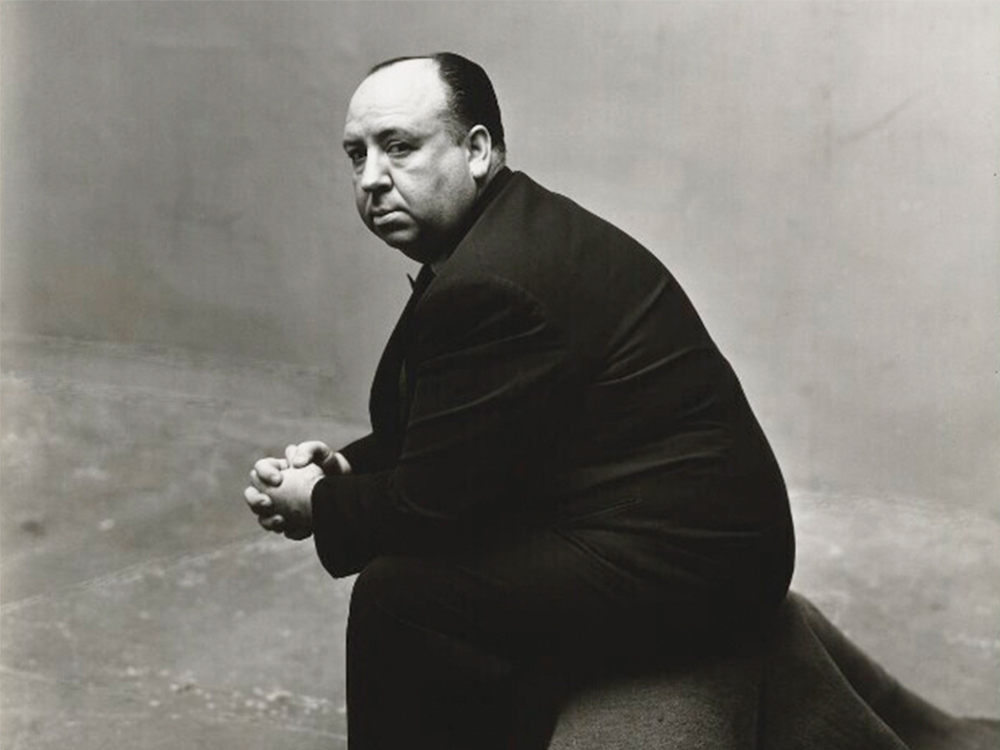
pixel 382 136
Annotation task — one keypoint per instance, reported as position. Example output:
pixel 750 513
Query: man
pixel 562 470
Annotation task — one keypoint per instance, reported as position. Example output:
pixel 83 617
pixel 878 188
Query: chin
pixel 408 242
pixel 419 254
pixel 399 238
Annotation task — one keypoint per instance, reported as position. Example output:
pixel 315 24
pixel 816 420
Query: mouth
pixel 389 221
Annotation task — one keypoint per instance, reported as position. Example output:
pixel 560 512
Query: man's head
pixel 424 137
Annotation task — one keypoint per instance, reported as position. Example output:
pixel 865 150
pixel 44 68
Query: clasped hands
pixel 280 491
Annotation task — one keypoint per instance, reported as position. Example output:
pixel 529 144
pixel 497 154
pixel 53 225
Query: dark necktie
pixel 420 284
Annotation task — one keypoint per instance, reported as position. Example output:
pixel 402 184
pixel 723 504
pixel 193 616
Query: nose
pixel 375 175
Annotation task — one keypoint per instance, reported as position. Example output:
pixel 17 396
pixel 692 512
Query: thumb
pixel 311 451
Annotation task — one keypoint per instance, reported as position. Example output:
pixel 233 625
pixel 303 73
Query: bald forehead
pixel 411 87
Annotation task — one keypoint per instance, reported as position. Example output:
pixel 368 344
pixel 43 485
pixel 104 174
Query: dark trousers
pixel 473 649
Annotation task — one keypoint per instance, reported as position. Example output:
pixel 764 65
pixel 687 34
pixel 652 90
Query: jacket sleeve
pixel 367 455
pixel 494 381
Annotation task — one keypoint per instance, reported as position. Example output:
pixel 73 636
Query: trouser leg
pixel 464 651
pixel 411 682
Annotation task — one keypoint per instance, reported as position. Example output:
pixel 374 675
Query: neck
pixel 497 163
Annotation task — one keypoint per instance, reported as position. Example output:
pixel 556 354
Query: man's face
pixel 412 181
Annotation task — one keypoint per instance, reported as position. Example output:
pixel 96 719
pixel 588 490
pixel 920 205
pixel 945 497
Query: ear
pixel 480 149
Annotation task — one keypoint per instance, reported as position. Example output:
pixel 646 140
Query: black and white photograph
pixel 499 375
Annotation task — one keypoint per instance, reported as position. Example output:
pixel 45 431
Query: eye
pixel 398 148
pixel 357 157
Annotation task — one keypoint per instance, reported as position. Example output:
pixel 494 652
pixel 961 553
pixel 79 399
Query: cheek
pixel 441 182
pixel 361 204
pixel 439 195
pixel 454 191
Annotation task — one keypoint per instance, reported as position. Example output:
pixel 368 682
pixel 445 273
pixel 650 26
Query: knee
pixel 379 584
pixel 408 610
pixel 403 593
pixel 397 588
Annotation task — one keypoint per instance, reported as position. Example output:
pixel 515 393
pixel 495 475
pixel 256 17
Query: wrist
pixel 317 488
pixel 311 484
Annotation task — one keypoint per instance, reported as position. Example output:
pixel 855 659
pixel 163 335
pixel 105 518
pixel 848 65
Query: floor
pixel 141 607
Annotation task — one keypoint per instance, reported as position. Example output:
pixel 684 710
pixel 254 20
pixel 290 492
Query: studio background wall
pixel 821 177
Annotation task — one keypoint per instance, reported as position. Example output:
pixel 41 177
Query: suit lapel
pixel 389 402
pixel 392 390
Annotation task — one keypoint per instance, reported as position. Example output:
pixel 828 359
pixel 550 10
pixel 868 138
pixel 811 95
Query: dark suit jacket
pixel 555 373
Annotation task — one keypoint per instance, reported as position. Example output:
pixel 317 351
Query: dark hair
pixel 471 98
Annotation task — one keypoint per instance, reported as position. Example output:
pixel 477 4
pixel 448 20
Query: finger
pixel 259 502
pixel 335 464
pixel 259 484
pixel 290 454
pixel 297 535
pixel 262 486
pixel 275 523
pixel 255 481
pixel 311 451
pixel 269 470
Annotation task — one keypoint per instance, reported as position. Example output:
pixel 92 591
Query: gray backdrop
pixel 822 178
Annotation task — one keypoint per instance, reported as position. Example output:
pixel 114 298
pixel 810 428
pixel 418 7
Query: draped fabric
pixel 801 685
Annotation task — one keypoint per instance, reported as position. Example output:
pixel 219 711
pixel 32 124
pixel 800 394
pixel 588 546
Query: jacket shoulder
pixel 580 268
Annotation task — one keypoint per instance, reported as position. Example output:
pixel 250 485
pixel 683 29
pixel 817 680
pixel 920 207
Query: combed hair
pixel 471 98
